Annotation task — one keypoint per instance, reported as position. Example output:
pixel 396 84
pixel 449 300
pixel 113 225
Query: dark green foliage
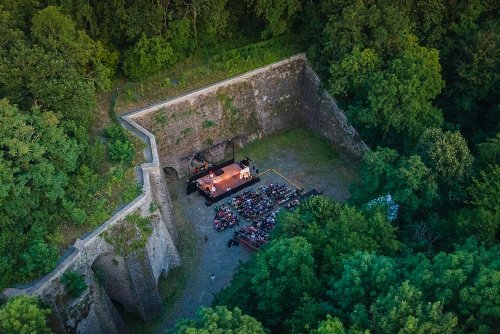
pixel 446 154
pixel 282 284
pixel 179 35
pixel 115 132
pixel 40 258
pixel 74 282
pixel 364 290
pixel 23 315
pixel 489 152
pixel 462 280
pixel 278 14
pixel 404 310
pixel 358 46
pixel 121 151
pixel 470 55
pixel 364 276
pixel 219 320
pixel 49 70
pixel 120 148
pixel 380 25
pixel 275 281
pixel 390 100
pixel 401 70
pixel 207 124
pixel 406 179
pixel 148 56
pixel 36 159
pixel 482 219
pixel 334 229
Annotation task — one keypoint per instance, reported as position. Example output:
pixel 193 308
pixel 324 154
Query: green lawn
pixel 307 145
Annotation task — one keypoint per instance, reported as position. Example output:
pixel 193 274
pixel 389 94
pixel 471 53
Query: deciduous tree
pixel 404 310
pixel 220 320
pixel 279 14
pixel 23 315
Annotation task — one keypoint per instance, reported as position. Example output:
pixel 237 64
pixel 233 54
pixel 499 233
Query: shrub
pixel 148 56
pixel 115 132
pixel 74 282
pixel 39 259
pixel 120 148
pixel 207 124
pixel 121 151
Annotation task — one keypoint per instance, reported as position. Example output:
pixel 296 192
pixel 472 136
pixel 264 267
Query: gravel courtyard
pixel 301 159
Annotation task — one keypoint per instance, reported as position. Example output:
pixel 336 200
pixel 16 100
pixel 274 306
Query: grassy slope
pixel 202 69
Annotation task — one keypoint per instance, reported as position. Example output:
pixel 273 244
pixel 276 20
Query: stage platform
pixel 214 186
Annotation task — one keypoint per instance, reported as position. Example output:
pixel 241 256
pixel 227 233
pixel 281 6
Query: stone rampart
pixel 255 104
pixel 95 251
pixel 321 114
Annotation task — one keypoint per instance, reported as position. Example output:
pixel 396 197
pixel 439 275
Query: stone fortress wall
pixel 255 104
pixel 131 278
pixel 247 107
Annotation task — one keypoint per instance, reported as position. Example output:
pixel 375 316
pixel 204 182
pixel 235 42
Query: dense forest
pixel 419 80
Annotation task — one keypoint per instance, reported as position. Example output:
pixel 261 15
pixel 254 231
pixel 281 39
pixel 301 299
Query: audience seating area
pixel 251 204
pixel 259 208
pixel 224 217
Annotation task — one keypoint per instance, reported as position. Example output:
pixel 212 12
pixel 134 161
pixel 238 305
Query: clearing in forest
pixel 302 157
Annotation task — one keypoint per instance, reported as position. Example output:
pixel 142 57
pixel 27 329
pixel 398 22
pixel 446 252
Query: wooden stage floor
pixel 229 179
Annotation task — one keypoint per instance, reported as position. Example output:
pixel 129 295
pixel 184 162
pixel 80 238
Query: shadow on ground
pixel 297 158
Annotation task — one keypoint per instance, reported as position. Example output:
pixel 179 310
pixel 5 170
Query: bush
pixel 115 132
pixel 120 148
pixel 207 124
pixel 148 56
pixel 23 315
pixel 39 259
pixel 121 151
pixel 74 282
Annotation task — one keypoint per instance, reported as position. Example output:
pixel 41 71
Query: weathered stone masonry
pixel 129 279
pixel 252 105
pixel 273 98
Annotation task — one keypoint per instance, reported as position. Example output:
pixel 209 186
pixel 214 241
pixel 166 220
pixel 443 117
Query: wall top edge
pixel 42 283
pixel 136 113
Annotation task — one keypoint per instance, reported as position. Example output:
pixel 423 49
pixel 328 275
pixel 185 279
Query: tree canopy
pixel 219 320
pixel 418 79
pixel 23 315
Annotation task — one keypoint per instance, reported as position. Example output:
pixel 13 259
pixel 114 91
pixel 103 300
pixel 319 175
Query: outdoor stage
pixel 223 181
